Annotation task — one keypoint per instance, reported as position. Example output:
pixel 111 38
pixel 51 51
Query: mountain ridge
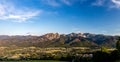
pixel 60 40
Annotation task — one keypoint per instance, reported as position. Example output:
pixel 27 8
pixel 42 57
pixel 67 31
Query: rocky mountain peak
pixel 51 36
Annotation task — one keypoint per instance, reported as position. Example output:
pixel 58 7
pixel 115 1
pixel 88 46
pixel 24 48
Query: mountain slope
pixel 60 40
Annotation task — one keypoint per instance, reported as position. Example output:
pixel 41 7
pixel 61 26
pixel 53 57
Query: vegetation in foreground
pixel 36 53
pixel 74 54
pixel 107 56
pixel 35 61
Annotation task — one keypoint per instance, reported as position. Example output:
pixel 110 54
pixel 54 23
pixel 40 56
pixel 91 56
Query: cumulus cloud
pixel 9 12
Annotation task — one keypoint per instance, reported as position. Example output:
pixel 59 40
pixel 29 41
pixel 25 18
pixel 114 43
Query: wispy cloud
pixel 98 3
pixel 8 12
pixel 67 2
pixel 107 3
pixel 58 3
pixel 116 4
pixel 51 2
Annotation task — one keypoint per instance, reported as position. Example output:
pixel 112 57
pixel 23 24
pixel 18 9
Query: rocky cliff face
pixel 60 40
pixel 51 36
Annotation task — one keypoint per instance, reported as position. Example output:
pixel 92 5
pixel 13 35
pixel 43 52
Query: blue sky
pixel 36 17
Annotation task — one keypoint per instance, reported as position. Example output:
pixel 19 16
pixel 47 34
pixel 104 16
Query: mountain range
pixel 60 40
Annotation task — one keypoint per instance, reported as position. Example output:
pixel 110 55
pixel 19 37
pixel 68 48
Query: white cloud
pixel 107 3
pixel 9 12
pixel 103 3
pixel 98 3
pixel 117 3
pixel 51 2
pixel 57 3
pixel 67 2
